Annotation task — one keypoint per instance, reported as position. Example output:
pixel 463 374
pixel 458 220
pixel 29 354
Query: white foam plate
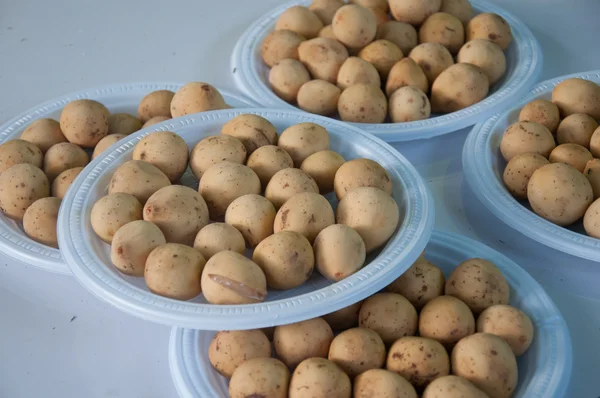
pixel 523 65
pixel 484 166
pixel 544 370
pixel 89 258
pixel 117 98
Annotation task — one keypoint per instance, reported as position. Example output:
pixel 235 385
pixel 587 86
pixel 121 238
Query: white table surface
pixel 57 340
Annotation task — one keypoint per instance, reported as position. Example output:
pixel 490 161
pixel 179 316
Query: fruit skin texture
pixel 354 26
pixel 447 320
pixel 375 223
pixel 452 387
pixel 509 323
pixel 479 284
pixel 414 12
pixel 299 341
pixel 173 270
pixel 229 349
pixel 559 193
pixel 357 350
pixel 260 377
pixel 390 315
pixel 418 359
pixel 339 252
pixel 526 137
pixel 421 283
pixel 84 122
pixel 518 172
pixel 488 362
pixel 300 20
pixel 363 103
pixel 458 87
pixel 132 244
pixel 577 96
pixel 489 26
pixel 319 377
pixel 381 383
pixel 286 258
pixel 231 278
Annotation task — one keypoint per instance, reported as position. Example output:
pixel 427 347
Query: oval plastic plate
pixel 117 98
pixel 89 258
pixel 523 65
pixel 483 166
pixel 544 370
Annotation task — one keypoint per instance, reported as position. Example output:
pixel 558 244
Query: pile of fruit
pixel 552 154
pixel 452 338
pixel 37 169
pixel 267 188
pixel 373 58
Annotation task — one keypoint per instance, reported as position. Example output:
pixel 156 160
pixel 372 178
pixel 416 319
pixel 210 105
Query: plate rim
pixel 526 74
pixel 159 309
pixel 478 168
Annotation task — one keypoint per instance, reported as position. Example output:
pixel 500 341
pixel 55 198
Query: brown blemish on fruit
pixel 238 287
pixel 284 215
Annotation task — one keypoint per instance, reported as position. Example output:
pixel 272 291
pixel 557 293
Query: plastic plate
pixel 483 166
pixel 117 98
pixel 523 65
pixel 544 370
pixel 89 258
